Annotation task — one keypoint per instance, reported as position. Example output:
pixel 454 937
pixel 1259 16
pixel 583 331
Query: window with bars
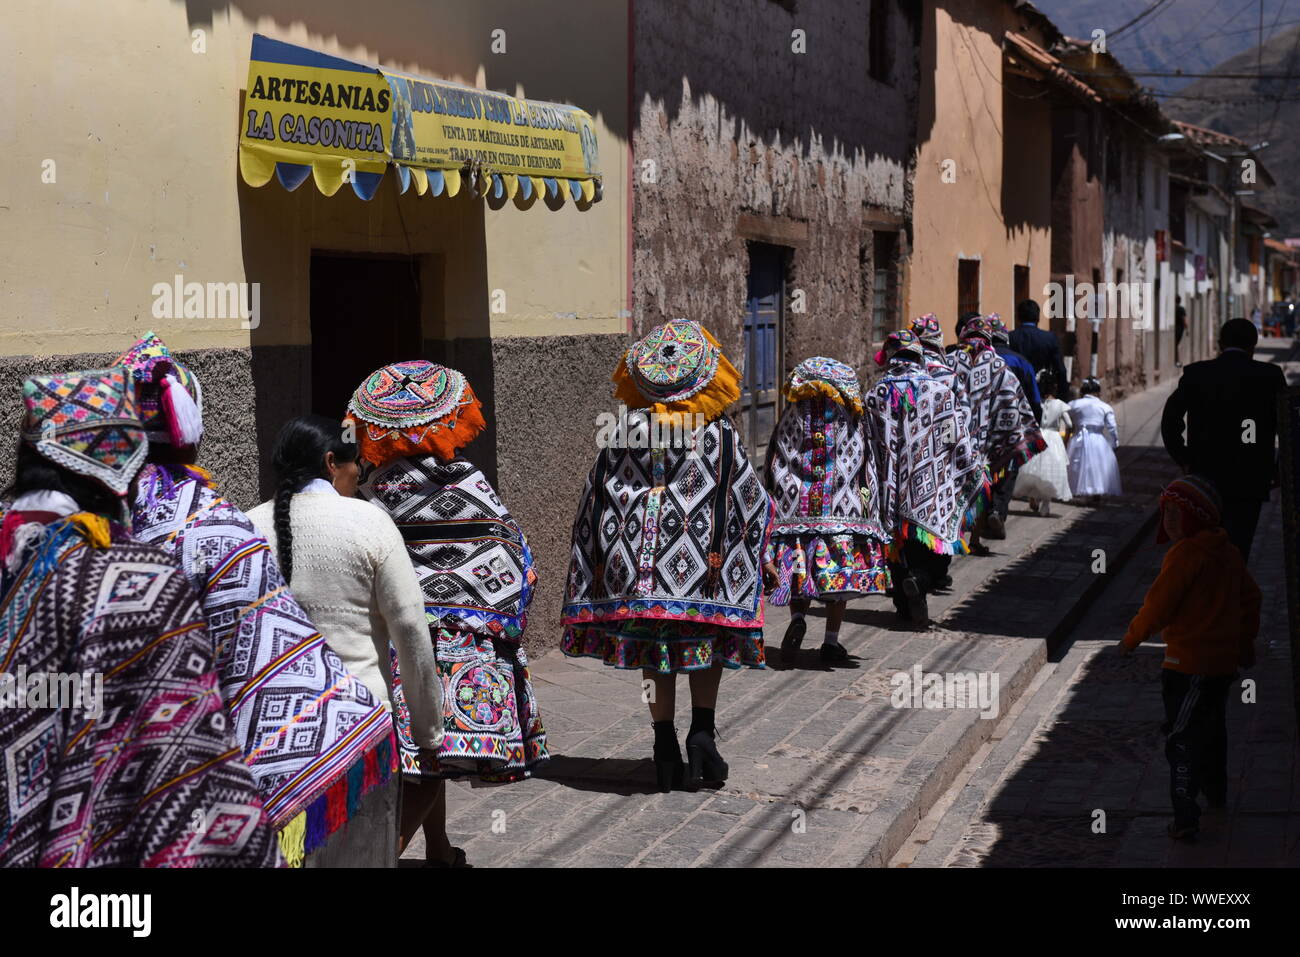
pixel 884 283
pixel 764 318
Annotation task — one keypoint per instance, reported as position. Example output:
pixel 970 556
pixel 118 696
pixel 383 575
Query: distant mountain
pixel 1251 110
pixel 1189 35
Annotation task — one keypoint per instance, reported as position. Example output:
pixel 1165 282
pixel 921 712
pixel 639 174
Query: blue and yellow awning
pixel 312 114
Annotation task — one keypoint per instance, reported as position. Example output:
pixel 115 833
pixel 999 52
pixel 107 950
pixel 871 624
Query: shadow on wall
pixel 767 89
pixel 454 40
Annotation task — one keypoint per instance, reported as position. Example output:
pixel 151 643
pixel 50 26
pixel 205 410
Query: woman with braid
pixel 348 566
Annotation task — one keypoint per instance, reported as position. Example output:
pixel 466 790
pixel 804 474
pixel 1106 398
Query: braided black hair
pixel 298 458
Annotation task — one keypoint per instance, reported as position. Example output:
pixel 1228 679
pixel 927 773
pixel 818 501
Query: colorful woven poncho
pixel 150 776
pixel 1001 420
pixel 469 554
pixel 818 466
pixel 929 473
pixel 477 574
pixel 313 736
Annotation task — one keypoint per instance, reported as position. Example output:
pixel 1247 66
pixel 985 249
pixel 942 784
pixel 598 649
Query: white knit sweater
pixel 353 576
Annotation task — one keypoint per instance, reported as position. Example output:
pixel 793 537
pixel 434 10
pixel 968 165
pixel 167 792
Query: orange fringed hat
pixel 414 408
pixel 677 367
pixel 821 375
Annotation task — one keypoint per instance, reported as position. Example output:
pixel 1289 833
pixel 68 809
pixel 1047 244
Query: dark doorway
pixel 365 313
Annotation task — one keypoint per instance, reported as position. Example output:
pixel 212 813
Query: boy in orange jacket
pixel 1206 606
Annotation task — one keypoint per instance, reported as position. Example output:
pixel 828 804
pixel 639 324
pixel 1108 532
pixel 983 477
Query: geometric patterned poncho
pixel 930 474
pixel 149 775
pixel 670 533
pixel 1001 420
pixel 313 736
pixel 469 554
pixel 820 473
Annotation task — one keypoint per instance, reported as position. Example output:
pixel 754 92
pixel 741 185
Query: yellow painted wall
pixel 963 121
pixel 143 133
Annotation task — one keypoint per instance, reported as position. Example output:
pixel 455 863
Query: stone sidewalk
pixel 1088 739
pixel 824 771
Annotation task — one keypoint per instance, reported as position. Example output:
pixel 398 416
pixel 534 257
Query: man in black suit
pixel 1230 403
pixel 1039 346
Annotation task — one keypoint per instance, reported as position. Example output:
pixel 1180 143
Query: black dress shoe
pixel 793 639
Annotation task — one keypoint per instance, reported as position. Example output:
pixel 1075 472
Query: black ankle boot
pixel 705 767
pixel 669 769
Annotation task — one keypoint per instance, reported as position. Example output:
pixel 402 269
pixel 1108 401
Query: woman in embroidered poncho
pixel 139 768
pixel 929 474
pixel 939 364
pixel 314 737
pixel 1002 422
pixel 476 571
pixel 826 540
pixel 667 545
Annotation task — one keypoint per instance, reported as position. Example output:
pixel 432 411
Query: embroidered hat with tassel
pixel 167 392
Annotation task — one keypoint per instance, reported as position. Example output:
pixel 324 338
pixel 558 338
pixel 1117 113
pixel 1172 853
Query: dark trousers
pixel 1002 490
pixel 1240 517
pixel 1196 741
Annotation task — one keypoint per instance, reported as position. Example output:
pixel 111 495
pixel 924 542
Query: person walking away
pixel 668 544
pixel 137 767
pixel 1039 346
pixel 827 543
pixel 913 428
pixel 279 676
pixel 1047 475
pixel 939 365
pixel 1205 605
pixel 477 576
pixel 1002 422
pixel 348 567
pixel 1229 405
pixel 1094 470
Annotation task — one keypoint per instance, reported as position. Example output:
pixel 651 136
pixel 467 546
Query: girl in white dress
pixel 1046 475
pixel 1094 470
